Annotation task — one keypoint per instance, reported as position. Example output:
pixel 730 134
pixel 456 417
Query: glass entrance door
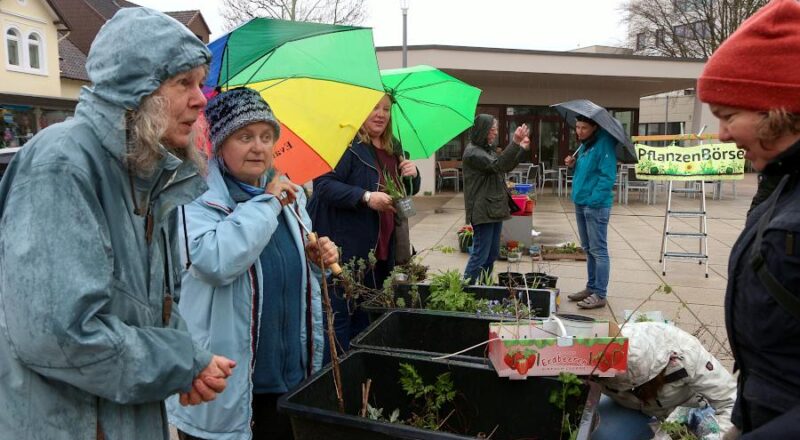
pixel 550 135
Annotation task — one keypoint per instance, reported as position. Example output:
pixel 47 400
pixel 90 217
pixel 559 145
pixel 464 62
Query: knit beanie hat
pixel 232 110
pixel 756 67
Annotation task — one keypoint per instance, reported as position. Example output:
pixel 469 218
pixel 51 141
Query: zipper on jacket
pixel 282 326
pixel 166 306
pixel 377 237
pixel 253 275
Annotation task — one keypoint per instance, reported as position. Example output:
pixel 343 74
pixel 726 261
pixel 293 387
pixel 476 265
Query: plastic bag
pixel 700 421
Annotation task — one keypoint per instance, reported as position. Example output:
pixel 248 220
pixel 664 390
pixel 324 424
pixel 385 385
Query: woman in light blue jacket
pixel 251 291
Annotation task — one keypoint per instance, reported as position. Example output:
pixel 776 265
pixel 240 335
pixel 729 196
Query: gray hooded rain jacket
pixel 83 345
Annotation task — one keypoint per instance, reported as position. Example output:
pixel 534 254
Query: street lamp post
pixel 404 8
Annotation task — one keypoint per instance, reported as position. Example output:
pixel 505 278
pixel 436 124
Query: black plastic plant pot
pixel 536 280
pixel 510 279
pixel 550 282
pixel 464 242
pixel 484 402
pixel 540 299
pixel 429 333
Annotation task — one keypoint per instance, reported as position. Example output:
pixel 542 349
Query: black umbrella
pixel 571 109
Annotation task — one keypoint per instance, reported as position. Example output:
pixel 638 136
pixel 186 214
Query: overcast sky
pixel 518 24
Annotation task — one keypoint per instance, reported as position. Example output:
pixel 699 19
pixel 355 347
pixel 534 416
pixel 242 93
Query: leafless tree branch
pixel 350 12
pixel 684 28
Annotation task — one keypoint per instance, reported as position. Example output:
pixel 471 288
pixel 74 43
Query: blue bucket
pixel 523 188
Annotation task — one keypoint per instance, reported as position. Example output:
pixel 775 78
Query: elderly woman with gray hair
pixel 251 290
pixel 91 344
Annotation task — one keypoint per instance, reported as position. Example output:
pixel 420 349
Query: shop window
pixel 34 51
pixel 12 47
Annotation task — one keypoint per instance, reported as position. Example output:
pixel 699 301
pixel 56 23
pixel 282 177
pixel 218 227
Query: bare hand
pixel 408 169
pixel 569 161
pixel 283 190
pixel 520 134
pixel 330 253
pixel 380 201
pixel 210 382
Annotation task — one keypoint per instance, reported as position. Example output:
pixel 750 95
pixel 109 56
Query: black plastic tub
pixel 484 402
pixel 511 279
pixel 540 298
pixel 428 333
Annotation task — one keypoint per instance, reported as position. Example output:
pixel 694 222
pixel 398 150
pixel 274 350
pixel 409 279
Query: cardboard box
pixel 534 348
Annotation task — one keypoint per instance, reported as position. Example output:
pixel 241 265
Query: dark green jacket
pixel 485 197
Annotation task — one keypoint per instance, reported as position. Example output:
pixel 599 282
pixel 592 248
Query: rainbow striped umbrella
pixel 322 81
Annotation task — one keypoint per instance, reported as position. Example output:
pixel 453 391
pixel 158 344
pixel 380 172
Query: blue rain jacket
pixel 82 342
pixel 220 288
pixel 595 172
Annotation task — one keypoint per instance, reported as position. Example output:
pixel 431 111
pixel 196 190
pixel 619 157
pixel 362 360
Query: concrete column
pixel 427 172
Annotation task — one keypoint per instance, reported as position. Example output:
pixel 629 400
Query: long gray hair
pixel 146 128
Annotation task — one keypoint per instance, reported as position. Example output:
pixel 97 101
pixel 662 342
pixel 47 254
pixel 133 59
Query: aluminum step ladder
pixel 701 235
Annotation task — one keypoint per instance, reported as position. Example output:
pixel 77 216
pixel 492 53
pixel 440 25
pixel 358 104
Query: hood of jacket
pixel 480 130
pixel 127 63
pixel 649 349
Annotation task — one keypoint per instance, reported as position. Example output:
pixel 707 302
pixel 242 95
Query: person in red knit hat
pixel 752 85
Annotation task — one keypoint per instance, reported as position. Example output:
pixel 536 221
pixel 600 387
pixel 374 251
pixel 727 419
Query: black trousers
pixel 268 424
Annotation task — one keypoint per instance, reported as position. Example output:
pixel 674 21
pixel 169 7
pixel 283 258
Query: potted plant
pixel 390 395
pixel 397 191
pixel 465 234
pixel 566 251
pixel 503 255
pixel 514 252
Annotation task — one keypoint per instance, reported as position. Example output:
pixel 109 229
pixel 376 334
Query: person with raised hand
pixel 486 198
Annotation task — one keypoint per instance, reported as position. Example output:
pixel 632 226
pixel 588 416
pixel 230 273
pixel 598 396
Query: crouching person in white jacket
pixel 667 368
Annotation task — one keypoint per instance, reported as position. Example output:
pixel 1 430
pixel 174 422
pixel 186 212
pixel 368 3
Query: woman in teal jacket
pixel 592 192
pixel 249 291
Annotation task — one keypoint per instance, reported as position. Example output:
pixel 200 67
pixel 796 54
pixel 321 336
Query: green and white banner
pixel 701 162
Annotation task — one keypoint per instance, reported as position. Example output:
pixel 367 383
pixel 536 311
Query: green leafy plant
pixel 428 400
pixel 447 293
pixel 393 187
pixel 570 388
pixel 643 318
pixel 566 248
pixel 503 254
pixel 447 250
pixel 377 414
pixel 676 431
pixel 465 235
pixel 485 278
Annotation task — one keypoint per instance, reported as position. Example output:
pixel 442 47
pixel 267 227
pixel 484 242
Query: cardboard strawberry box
pixel 543 348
